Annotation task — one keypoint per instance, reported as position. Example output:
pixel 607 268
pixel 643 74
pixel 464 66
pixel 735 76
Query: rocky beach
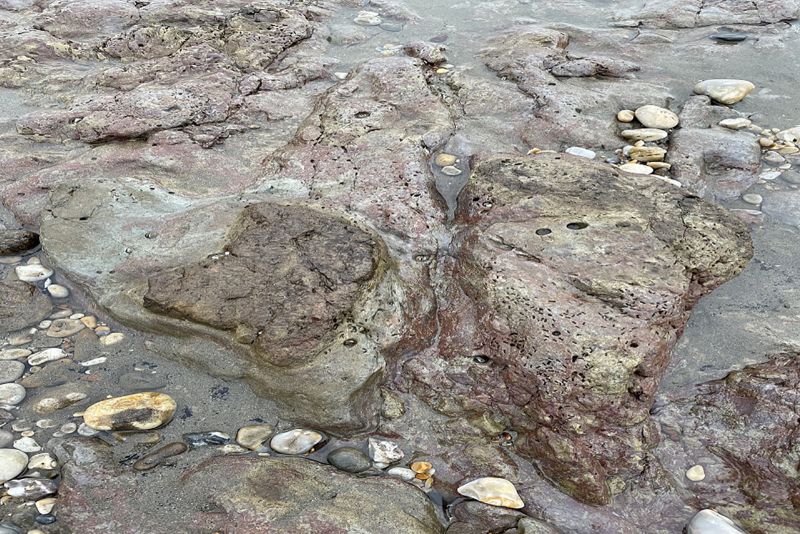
pixel 393 266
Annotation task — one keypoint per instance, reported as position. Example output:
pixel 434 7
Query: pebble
pixel 27 445
pixel 102 331
pixel 154 458
pixel 647 153
pixel 89 321
pixel 45 519
pixel 753 198
pixel 21 425
pixel 10 260
pixel 494 491
pixel 724 91
pixel 86 431
pixel 626 115
pixel 140 411
pixel 644 134
pixel 58 291
pixel 421 467
pixel 68 428
pixel 770 175
pixel 47 355
pixel 659 165
pixel 367 18
pixel 10 370
pixel 94 361
pixel 696 473
pixel 728 37
pixel 77 316
pixel 349 459
pixel 656 117
pixel 6 438
pixel 31 488
pixel 402 472
pixel 765 142
pixel 711 522
pixel 297 441
pixel 773 157
pixel 232 448
pixel 670 181
pixel 8 528
pixel 204 439
pixel 13 354
pixel 111 339
pixel 11 394
pixel 49 405
pixel 340 75
pixel 12 463
pixel 450 170
pixel 581 152
pixel 444 159
pixel 44 325
pixel 736 124
pixel 384 452
pixel 636 168
pixel 46 505
pixel 42 461
pixel 63 314
pixel 253 436
pixel 64 328
pixel 32 273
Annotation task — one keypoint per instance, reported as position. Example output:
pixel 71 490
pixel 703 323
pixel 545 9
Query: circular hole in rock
pixel 577 225
pixel 480 358
pixel 623 224
pixel 362 115
pixel 544 231
pixel 350 342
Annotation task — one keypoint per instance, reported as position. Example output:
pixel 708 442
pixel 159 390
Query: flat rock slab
pixel 239 493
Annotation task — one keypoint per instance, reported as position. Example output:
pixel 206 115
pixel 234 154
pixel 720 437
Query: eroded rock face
pixel 248 493
pixel 573 284
pixel 288 278
pixel 752 417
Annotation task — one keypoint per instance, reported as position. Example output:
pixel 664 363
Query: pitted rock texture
pixel 697 13
pixel 573 283
pixel 232 494
pixel 288 278
pixel 744 430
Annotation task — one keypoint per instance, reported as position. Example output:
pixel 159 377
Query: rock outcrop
pixel 572 283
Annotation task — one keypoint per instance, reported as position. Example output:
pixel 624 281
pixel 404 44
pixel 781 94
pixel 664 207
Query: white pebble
pixel 111 339
pixel 753 198
pixel 32 273
pixel 27 445
pixel 696 473
pixel 47 355
pixel 581 152
pixel 58 291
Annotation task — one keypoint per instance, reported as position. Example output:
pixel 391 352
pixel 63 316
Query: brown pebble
pixel 422 476
pixel 421 467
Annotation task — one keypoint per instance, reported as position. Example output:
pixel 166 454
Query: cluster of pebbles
pixel 29 474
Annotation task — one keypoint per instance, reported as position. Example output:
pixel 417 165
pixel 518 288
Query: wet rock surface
pixel 248 493
pixel 372 236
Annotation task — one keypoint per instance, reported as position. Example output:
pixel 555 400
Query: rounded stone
pixel 10 370
pixel 42 461
pixel 384 452
pixel 581 152
pixel 27 444
pixel 696 473
pixel 625 115
pixel 47 355
pixel 13 354
pixel 111 339
pixel 253 436
pixel 140 411
pixel 32 273
pixel 11 394
pixel 297 441
pixel 636 168
pixel 753 198
pixel 6 438
pixel 644 134
pixel 711 522
pixel 656 117
pixel 444 159
pixel 402 473
pixel 64 327
pixel 349 459
pixel 494 491
pixel 12 463
pixel 450 170
pixel 58 291
pixel 724 91
pixel 736 124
